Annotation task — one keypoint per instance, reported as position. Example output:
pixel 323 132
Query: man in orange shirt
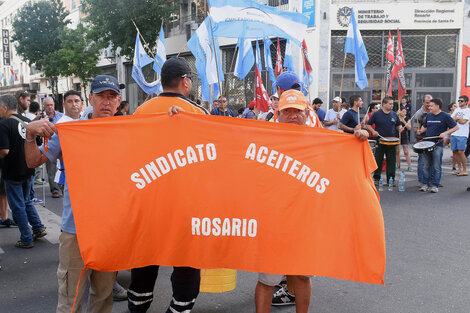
pixel 176 82
pixel 177 79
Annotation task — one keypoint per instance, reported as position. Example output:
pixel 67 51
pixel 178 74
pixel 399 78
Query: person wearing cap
pixel 316 104
pixel 105 97
pixel 292 110
pixel 176 78
pixel 332 117
pixel 251 112
pixel 290 80
pixel 269 116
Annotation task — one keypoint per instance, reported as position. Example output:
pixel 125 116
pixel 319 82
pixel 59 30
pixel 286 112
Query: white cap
pixel 337 99
pixel 275 95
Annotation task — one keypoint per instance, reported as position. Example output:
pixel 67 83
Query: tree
pixel 78 57
pixel 36 31
pixel 111 21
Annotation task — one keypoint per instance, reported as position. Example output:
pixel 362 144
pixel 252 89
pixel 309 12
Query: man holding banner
pixel 105 98
pixel 176 82
pixel 292 110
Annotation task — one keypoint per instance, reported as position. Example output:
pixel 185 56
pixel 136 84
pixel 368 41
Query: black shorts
pixel 2 184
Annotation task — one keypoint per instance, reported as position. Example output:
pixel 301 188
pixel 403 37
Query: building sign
pixel 6 46
pixel 308 9
pixel 394 15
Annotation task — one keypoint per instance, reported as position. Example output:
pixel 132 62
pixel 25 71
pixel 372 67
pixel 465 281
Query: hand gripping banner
pixel 217 192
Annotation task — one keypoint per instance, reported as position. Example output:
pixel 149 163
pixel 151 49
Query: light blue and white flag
pixel 250 19
pixel 202 47
pixel 355 46
pixel 258 58
pixel 142 59
pixel 307 80
pixel 245 59
pixel 161 52
pixel 268 62
pixel 288 61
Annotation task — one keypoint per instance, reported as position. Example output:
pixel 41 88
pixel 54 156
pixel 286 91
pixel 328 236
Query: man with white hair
pixel 51 165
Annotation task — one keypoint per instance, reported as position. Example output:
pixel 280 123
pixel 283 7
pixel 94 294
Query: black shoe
pixel 7 223
pixel 283 297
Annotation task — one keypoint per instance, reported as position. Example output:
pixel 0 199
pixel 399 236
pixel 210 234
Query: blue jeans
pixel 421 168
pixel 432 166
pixel 22 208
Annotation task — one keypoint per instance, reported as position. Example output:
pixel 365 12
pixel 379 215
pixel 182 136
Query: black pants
pixel 184 281
pixel 390 153
pixel 467 150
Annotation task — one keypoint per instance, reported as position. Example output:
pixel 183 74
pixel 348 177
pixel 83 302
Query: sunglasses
pixel 187 76
pixel 460 101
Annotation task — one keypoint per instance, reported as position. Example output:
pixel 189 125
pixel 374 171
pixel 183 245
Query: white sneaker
pixel 434 189
pixel 424 188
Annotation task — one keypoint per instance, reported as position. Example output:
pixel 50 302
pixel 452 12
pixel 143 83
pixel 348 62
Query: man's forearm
pixel 346 129
pixel 33 155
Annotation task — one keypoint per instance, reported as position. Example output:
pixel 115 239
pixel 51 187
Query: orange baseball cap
pixel 292 99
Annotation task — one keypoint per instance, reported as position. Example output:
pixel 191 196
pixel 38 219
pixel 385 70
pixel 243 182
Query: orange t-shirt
pixel 165 101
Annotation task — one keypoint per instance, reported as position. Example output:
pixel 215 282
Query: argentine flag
pixel 201 45
pixel 268 62
pixel 355 46
pixel 161 52
pixel 245 59
pixel 288 62
pixel 250 19
pixel 141 59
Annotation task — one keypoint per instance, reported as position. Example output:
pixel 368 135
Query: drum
pixel 389 141
pixel 372 144
pixel 424 146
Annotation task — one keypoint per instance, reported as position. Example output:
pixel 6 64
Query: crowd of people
pixel 23 149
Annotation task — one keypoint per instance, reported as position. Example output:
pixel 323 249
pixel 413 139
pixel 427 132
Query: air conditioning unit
pixel 33 86
pixel 109 53
pixel 190 28
pixel 173 17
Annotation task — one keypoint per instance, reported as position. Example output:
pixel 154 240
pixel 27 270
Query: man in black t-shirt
pixel 16 174
pixel 386 124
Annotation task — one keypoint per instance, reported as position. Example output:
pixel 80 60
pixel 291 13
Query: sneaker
pixel 21 244
pixel 283 297
pixel 7 223
pixel 36 200
pixel 39 234
pixel 410 169
pixel 434 189
pixel 424 188
pixel 38 182
pixel 119 293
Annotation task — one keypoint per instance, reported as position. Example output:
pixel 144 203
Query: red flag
pixel 307 65
pixel 398 69
pixel 278 68
pixel 14 74
pixel 262 97
pixel 390 61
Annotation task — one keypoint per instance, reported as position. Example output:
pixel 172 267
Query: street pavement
pixel 428 257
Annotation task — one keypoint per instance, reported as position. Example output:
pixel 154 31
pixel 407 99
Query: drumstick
pixel 433 137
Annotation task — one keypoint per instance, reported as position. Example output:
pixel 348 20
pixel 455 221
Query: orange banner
pixel 465 75
pixel 217 192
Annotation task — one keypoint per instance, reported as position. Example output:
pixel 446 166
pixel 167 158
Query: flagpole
pixel 216 61
pixel 146 44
